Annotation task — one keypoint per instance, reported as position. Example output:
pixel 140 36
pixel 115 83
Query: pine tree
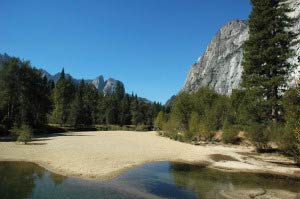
pixel 125 115
pixel 266 52
pixel 62 97
pixel 135 111
pixel 24 93
pixel 77 113
pixel 90 103
pixel 159 121
pixel 9 92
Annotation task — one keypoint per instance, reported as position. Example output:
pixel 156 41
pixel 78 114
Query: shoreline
pixel 92 155
pixel 112 175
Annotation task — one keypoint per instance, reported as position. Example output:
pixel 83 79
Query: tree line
pixel 29 99
pixel 266 107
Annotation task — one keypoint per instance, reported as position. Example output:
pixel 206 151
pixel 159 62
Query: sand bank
pixel 103 155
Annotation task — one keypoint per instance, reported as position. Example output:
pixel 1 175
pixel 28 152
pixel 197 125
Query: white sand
pixel 102 155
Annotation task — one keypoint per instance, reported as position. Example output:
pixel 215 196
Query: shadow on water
pixel 153 180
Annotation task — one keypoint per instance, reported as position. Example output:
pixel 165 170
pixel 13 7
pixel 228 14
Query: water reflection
pixel 207 183
pixel 154 180
pixel 18 179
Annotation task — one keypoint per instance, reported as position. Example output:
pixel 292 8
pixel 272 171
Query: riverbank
pixel 103 155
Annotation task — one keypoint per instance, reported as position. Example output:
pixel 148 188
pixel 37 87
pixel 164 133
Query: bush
pixel 291 108
pixel 177 136
pixel 142 127
pixel 23 134
pixel 291 141
pixel 296 154
pixel 193 126
pixel 206 130
pixel 159 121
pixel 230 134
pixel 259 136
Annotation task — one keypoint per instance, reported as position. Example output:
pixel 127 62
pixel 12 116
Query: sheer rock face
pixel 99 83
pixel 221 65
pixel 110 86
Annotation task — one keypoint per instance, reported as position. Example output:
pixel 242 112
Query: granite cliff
pixel 220 67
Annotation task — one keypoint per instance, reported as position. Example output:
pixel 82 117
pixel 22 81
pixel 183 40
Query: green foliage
pixel 28 98
pixel 259 135
pixel 207 130
pixel 23 133
pixel 266 54
pixel 182 109
pixel 259 105
pixel 142 127
pixel 159 121
pixel 247 108
pixel 84 106
pixel 296 153
pixel 194 125
pixel 176 136
pixel 24 93
pixel 63 94
pixel 291 104
pixel 170 127
pixel 199 114
pixel 291 140
pixel 230 133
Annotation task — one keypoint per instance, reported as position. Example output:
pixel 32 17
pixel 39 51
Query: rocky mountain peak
pixel 110 86
pixel 99 83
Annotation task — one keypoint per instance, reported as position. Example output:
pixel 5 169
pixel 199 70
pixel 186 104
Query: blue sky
pixel 147 44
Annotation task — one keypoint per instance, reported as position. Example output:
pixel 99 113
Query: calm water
pixel 20 180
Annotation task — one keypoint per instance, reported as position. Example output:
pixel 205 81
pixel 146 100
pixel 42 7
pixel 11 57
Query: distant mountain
pixel 4 57
pixel 106 86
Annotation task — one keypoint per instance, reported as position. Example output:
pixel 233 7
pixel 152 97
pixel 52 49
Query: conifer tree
pixel 77 112
pixel 62 98
pixel 266 52
pixel 9 92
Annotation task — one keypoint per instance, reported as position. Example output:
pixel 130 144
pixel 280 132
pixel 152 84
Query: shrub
pixel 291 108
pixel 291 141
pixel 230 134
pixel 259 136
pixel 296 155
pixel 177 136
pixel 142 127
pixel 206 130
pixel 193 125
pixel 159 121
pixel 23 133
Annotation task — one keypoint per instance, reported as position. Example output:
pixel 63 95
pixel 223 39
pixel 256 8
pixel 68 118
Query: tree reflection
pixel 57 179
pixel 17 179
pixel 207 183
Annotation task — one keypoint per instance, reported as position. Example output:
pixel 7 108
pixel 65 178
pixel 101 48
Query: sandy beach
pixel 103 155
